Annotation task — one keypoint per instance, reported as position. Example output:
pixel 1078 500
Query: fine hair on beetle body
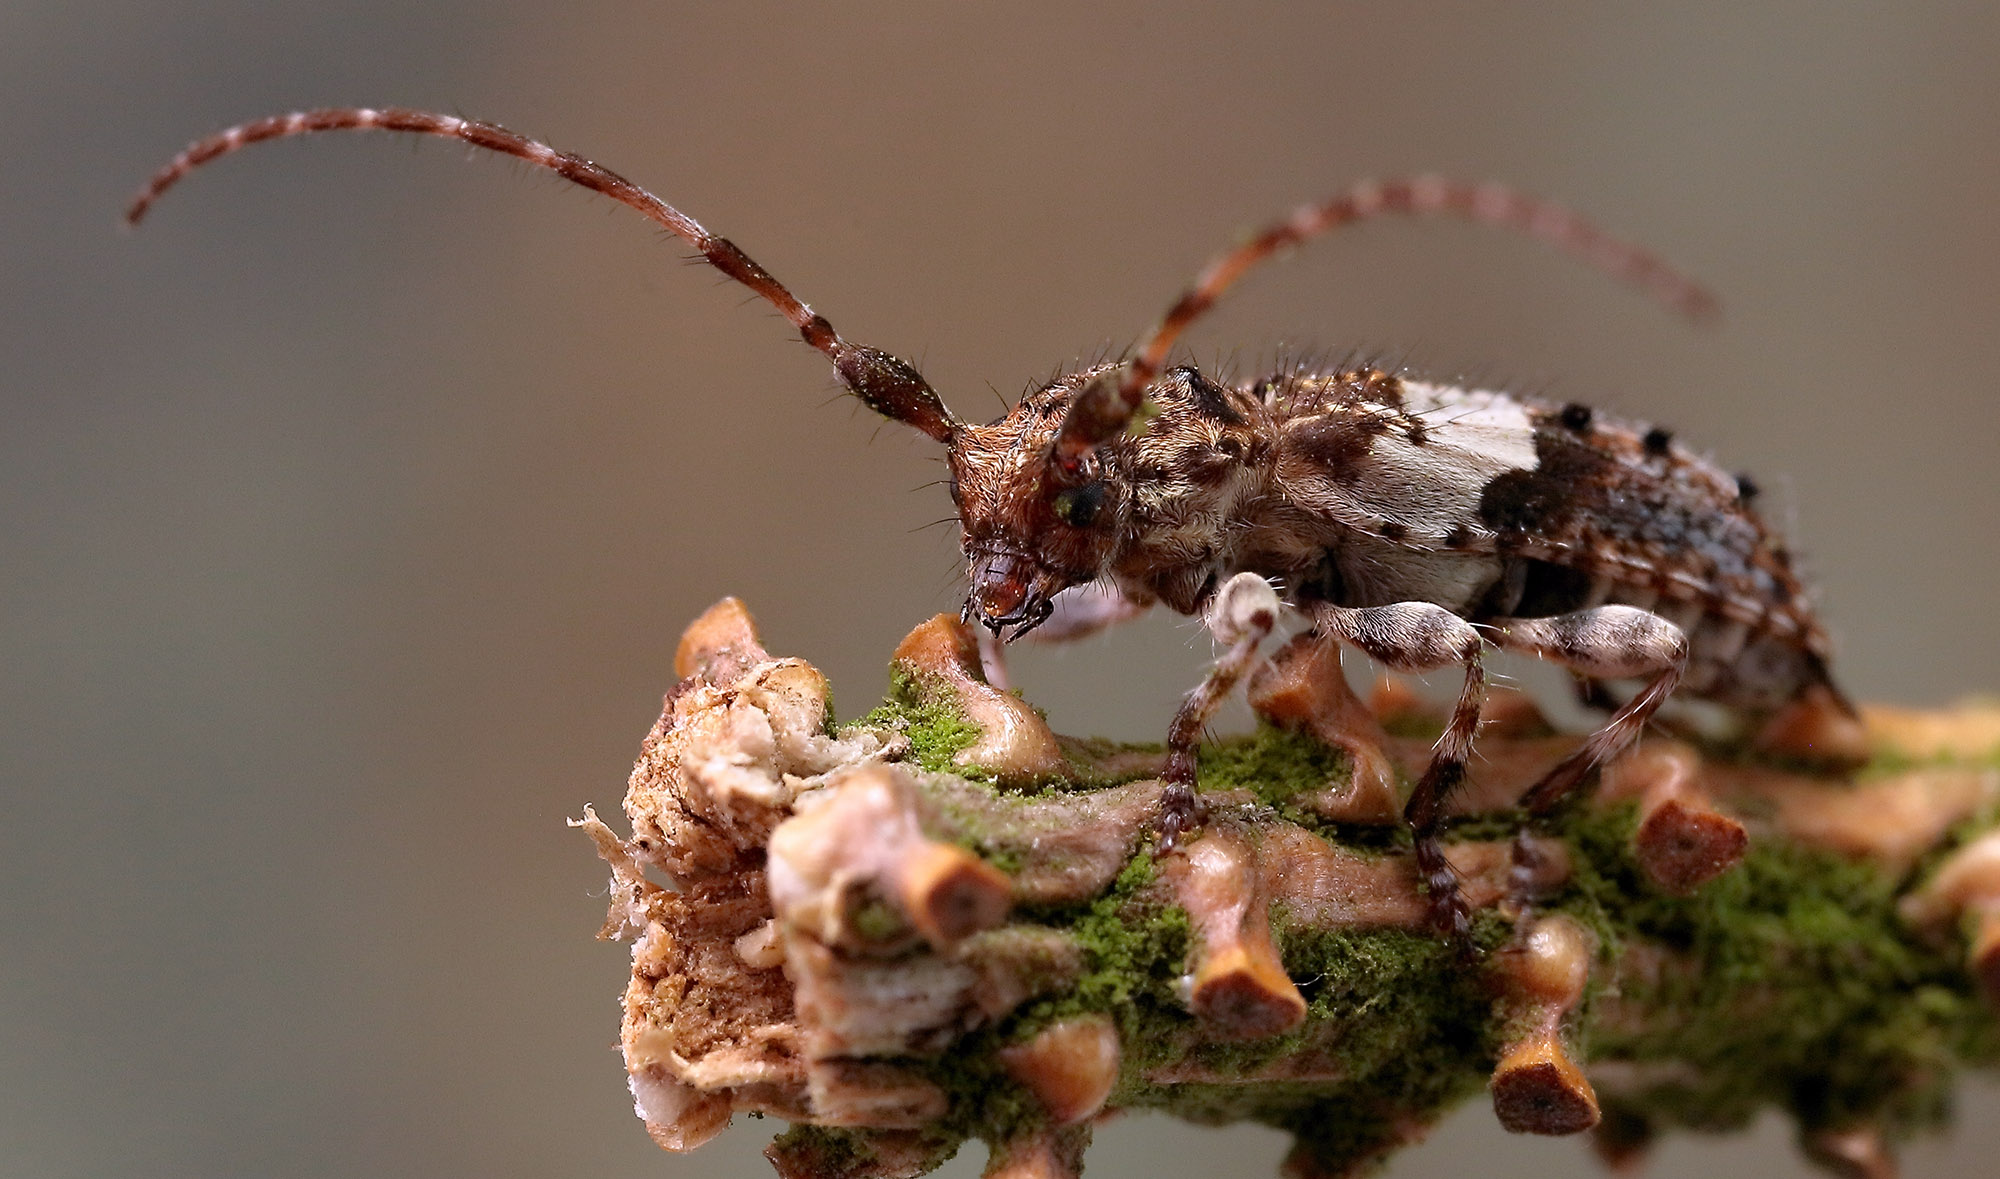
pixel 1421 523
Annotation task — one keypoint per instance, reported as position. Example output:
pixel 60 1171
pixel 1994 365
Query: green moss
pixel 1134 945
pixel 1790 983
pixel 826 1150
pixel 1275 765
pixel 1401 1043
pixel 1134 948
pixel 925 709
pixel 1008 859
pixel 1801 988
pixel 984 1102
pixel 1278 765
pixel 1394 1020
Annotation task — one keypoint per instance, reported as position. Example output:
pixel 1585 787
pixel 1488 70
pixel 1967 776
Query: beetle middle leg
pixel 1422 636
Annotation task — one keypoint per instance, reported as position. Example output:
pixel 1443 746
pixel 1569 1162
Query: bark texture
pixel 943 921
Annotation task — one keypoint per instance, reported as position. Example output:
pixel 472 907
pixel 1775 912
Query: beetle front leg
pixel 1084 610
pixel 1421 636
pixel 1241 614
pixel 1605 643
pixel 1077 612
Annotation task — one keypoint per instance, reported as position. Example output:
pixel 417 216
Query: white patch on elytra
pixel 1432 488
pixel 1478 420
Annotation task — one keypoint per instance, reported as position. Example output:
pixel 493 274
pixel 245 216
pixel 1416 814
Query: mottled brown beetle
pixel 1417 522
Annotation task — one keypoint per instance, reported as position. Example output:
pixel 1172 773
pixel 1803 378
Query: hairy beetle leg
pixel 1423 636
pixel 1606 643
pixel 1241 614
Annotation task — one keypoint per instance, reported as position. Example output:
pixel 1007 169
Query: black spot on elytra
pixel 1575 417
pixel 1458 538
pixel 1658 440
pixel 1570 478
pixel 1591 494
pixel 1390 530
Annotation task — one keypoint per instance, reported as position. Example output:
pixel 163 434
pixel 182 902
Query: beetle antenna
pixel 887 385
pixel 1105 408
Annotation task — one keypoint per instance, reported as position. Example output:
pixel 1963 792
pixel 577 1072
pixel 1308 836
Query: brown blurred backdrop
pixel 351 509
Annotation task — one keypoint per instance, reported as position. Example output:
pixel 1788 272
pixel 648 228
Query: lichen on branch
pixel 944 922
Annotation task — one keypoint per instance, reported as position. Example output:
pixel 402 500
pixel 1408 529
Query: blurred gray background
pixel 351 510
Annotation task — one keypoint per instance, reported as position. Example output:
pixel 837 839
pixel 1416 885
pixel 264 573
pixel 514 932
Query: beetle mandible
pixel 1420 523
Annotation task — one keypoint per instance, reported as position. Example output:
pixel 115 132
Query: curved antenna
pixel 885 384
pixel 1104 409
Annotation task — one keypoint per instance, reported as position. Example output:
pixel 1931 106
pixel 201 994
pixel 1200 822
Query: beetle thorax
pixel 1155 510
pixel 1028 531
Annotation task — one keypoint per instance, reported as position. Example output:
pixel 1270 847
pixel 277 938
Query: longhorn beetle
pixel 1418 522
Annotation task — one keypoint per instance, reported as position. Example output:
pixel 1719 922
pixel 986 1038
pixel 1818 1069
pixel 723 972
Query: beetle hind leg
pixel 1605 642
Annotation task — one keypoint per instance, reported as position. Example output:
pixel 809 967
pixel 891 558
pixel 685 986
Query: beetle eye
pixel 1077 506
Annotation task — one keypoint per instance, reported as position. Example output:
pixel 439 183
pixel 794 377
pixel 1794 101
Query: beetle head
pixel 1031 531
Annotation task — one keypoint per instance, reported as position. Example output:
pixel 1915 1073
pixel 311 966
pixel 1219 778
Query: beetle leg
pixel 1241 614
pixel 1605 643
pixel 1421 636
pixel 1076 613
pixel 1083 610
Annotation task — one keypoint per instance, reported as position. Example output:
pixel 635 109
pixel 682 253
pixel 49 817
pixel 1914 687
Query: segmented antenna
pixel 1104 409
pixel 884 383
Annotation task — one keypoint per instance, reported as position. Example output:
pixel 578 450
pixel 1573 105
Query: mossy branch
pixel 945 922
